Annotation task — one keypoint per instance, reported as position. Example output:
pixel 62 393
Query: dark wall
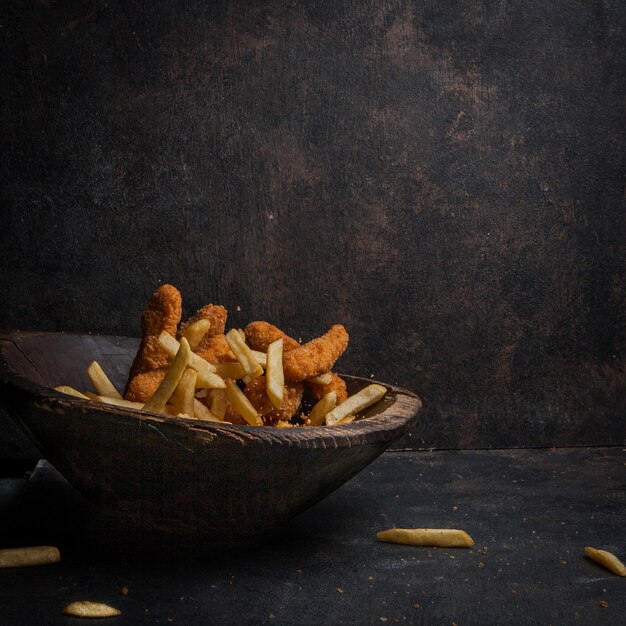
pixel 445 178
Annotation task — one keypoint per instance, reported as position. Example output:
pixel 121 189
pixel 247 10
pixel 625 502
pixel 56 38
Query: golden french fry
pixel 204 380
pixel 171 346
pixel 359 401
pixel 606 559
pixel 322 379
pixel 218 402
pixel 167 386
pixel 319 411
pixel 114 401
pixel 243 354
pixel 206 371
pixel 101 382
pixel 184 394
pixel 70 391
pixel 275 379
pixel 436 537
pixel 196 331
pixel 85 608
pixel 230 369
pixel 348 419
pixel 202 413
pixel 241 404
pixel 26 557
pixel 261 357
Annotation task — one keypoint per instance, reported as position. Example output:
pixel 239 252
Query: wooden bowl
pixel 217 484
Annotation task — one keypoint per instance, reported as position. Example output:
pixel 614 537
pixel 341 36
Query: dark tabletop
pixel 531 512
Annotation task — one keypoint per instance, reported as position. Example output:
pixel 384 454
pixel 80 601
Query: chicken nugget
pixel 163 313
pixel 260 334
pixel 256 392
pixel 215 313
pixel 317 356
pixel 337 384
pixel 142 387
pixel 215 350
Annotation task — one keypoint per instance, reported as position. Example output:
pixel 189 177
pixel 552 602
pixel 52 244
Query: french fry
pixel 167 386
pixel 361 400
pixel 322 379
pixel 206 371
pixel 202 413
pixel 230 369
pixel 348 419
pixel 114 401
pixel 84 608
pixel 196 331
pixel 184 394
pixel 606 559
pixel 27 557
pixel 101 382
pixel 243 354
pixel 241 404
pixel 70 391
pixel 435 537
pixel 275 379
pixel 261 357
pixel 218 402
pixel 319 411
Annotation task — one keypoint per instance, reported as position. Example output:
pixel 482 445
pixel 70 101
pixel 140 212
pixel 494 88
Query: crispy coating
pixel 260 334
pixel 215 313
pixel 292 397
pixel 317 392
pixel 163 313
pixel 215 350
pixel 141 387
pixel 317 356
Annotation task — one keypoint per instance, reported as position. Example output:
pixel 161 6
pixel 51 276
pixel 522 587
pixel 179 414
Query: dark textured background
pixel 445 178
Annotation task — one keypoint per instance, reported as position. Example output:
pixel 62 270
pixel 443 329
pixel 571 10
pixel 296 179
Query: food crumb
pixel 340 590
pixel 604 604
pixel 415 605
pixel 124 591
pixel 238 308
pixel 481 565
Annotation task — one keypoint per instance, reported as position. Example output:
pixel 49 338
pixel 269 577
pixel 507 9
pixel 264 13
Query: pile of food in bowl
pixel 257 376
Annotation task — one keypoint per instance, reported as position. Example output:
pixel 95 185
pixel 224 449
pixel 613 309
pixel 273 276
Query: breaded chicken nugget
pixel 141 387
pixel 317 392
pixel 215 313
pixel 256 392
pixel 163 313
pixel 317 356
pixel 260 334
pixel 215 350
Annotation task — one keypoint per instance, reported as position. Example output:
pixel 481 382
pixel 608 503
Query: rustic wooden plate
pixel 218 484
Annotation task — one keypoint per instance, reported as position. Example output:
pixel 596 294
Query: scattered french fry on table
pixel 432 537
